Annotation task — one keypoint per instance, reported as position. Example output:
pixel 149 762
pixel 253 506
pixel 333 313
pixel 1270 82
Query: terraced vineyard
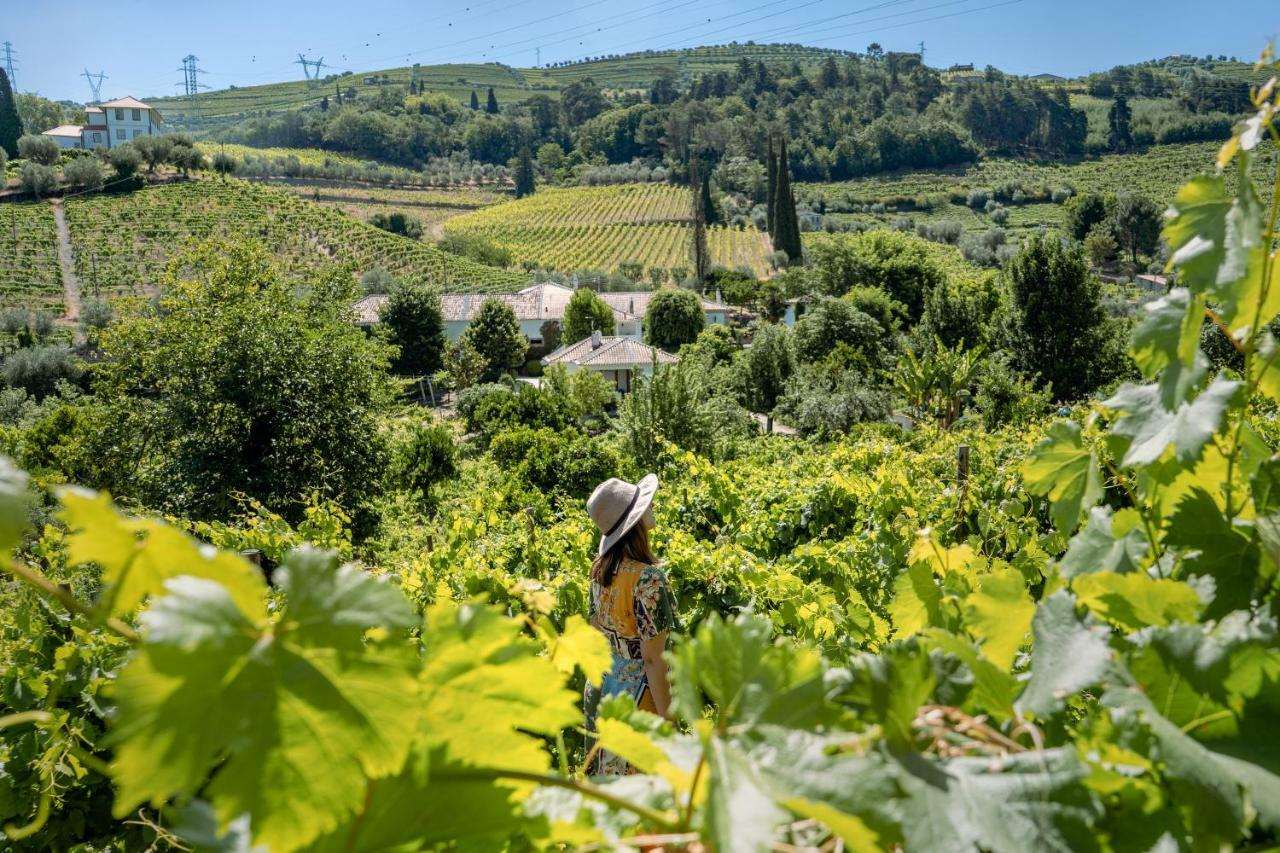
pixel 431 207
pixel 604 227
pixel 1155 173
pixel 122 242
pixel 29 272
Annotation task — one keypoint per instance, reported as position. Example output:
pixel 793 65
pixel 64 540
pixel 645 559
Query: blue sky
pixel 140 43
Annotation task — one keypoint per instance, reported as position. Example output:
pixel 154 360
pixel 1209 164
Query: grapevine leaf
pixel 278 702
pixel 137 556
pixel 1064 470
pixel 1067 655
pixel 917 600
pixel 1215 548
pixel 1026 802
pixel 581 645
pixel 646 742
pixel 993 688
pixel 1265 365
pixel 749 677
pixel 890 687
pixel 1265 489
pixel 485 684
pixel 1108 543
pixel 850 829
pixel 740 815
pixel 1196 230
pixel 576 820
pixel 1134 601
pixel 1149 428
pixel 1166 343
pixel 999 615
pixel 196 824
pixel 1209 790
pixel 13 506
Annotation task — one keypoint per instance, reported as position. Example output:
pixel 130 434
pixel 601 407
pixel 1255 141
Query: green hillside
pixel 460 80
pixel 122 242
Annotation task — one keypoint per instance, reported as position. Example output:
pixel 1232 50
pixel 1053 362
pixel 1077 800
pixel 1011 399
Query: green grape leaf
pixel 1031 801
pixel 1149 428
pixel 576 820
pixel 646 741
pixel 1265 491
pixel 13 506
pixel 890 687
pixel 1196 230
pixel 1209 791
pixel 999 615
pixel 993 688
pixel 582 646
pixel 1213 547
pixel 1064 470
pixel 486 686
pixel 740 814
pixel 750 678
pixel 1166 343
pixel 303 712
pixel 1265 365
pixel 138 555
pixel 917 600
pixel 1067 655
pixel 1108 543
pixel 1134 601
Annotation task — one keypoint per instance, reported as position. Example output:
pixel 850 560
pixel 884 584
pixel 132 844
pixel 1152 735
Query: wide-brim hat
pixel 616 506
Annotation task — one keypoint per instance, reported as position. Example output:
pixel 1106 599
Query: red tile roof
pixel 610 352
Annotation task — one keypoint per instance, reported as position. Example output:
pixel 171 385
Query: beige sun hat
pixel 616 506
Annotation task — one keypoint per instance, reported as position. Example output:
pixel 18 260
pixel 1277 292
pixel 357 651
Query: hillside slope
pixel 122 242
pixel 459 80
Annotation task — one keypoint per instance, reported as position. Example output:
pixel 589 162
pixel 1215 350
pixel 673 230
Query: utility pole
pixel 192 85
pixel 9 66
pixel 537 51
pixel 922 51
pixel 95 83
pixel 308 65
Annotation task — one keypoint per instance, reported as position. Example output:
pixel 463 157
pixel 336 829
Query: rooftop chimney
pixel 595 339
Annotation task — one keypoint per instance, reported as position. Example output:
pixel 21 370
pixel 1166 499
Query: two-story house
pixel 110 124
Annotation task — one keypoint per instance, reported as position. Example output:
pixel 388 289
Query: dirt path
pixel 70 283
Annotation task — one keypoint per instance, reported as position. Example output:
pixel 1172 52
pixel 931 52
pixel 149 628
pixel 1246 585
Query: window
pixel 97 137
pixel 119 114
pixel 137 133
pixel 120 134
pixel 137 115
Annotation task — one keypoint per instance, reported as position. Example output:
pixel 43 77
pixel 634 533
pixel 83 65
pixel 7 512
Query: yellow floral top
pixel 636 606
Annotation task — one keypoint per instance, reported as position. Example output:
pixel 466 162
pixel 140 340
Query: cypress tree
pixel 786 236
pixel 492 106
pixel 475 102
pixel 709 213
pixel 771 193
pixel 524 174
pixel 701 195
pixel 10 122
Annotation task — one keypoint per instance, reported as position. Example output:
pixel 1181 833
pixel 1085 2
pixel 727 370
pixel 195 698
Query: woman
pixel 631 605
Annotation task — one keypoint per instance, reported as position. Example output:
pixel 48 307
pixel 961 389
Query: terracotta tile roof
pixel 129 102
pixel 610 352
pixel 88 110
pixel 636 302
pixel 64 130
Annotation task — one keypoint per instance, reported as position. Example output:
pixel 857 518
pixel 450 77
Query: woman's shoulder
pixel 639 566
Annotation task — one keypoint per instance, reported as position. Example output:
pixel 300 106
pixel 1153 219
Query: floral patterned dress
pixel 637 606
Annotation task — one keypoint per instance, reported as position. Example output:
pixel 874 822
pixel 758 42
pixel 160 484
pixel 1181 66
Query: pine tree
pixel 491 107
pixel 10 122
pixel 1119 120
pixel 771 193
pixel 524 174
pixel 786 235
pixel 475 102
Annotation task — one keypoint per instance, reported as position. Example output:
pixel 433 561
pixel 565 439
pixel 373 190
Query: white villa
pixel 537 304
pixel 110 124
pixel 619 359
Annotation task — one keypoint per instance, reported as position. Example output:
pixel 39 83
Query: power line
pixel 823 23
pixel 920 21
pixel 308 64
pixel 192 85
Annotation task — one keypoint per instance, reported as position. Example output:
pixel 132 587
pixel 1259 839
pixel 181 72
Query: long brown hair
pixel 634 545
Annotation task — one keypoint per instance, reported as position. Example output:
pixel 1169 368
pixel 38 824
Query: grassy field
pixel 305 156
pixel 1156 173
pixel 29 272
pixel 122 242
pixel 605 227
pixel 510 84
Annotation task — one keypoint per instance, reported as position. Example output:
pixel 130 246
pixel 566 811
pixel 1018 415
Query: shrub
pixel 833 322
pixel 477 248
pixel 469 400
pixel 377 281
pixel 38 148
pixel 425 457
pixel 824 400
pixel 125 161
pixel 564 462
pixel 413 317
pixel 83 173
pixel 398 223
pixel 37 179
pixel 674 318
pixel 38 370
pixel 977 199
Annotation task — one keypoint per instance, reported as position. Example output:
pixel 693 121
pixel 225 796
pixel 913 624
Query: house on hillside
pixel 619 359
pixel 110 124
pixel 538 304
